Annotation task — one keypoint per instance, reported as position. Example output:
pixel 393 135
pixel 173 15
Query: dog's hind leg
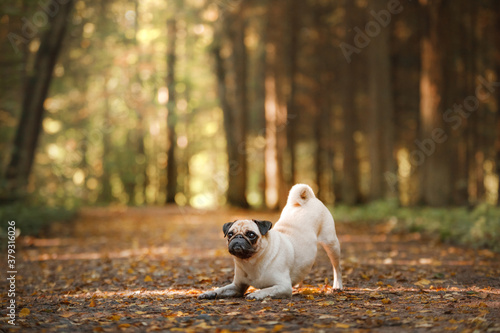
pixel 328 239
pixel 333 252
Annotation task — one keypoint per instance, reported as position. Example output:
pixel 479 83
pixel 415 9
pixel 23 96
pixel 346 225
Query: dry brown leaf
pixel 24 312
pixel 340 325
pixel 423 283
pixel 115 317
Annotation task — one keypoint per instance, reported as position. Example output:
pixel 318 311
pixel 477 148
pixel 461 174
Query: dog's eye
pixel 251 235
pixel 230 234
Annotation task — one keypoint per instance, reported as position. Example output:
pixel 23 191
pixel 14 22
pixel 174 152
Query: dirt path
pixel 141 270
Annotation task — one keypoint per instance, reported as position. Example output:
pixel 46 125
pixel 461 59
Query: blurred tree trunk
pixel 238 160
pixel 171 107
pixel 35 93
pixel 292 65
pixel 487 50
pixel 464 49
pixel 137 175
pixel 406 74
pixel 140 112
pixel 276 108
pixel 350 190
pixel 260 93
pixel 381 133
pixel 106 194
pixel 282 91
pixel 470 70
pixel 497 157
pixel 433 155
pixel 234 118
pixel 323 88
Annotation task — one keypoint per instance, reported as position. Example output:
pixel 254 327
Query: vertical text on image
pixel 11 272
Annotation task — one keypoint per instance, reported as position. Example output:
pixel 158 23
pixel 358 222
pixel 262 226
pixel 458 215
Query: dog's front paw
pixel 257 296
pixel 208 295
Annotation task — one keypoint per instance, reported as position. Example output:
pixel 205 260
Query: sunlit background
pixel 303 113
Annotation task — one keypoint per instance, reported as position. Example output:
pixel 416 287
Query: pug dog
pixel 274 260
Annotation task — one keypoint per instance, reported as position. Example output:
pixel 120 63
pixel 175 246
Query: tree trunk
pixel 106 194
pixel 35 94
pixel 463 46
pixel 497 157
pixel 323 129
pixel 381 133
pixel 276 110
pixel 350 190
pixel 406 73
pixel 234 127
pixel 238 175
pixel 431 152
pixel 140 112
pixel 260 96
pixel 292 64
pixel 172 117
pixel 281 82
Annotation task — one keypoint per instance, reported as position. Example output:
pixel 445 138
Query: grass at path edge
pixel 477 227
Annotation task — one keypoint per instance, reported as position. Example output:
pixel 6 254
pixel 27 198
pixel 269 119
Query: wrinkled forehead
pixel 242 226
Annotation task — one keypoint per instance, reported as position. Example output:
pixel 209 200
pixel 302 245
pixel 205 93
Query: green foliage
pixel 32 219
pixel 478 227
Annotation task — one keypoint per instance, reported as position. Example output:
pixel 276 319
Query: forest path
pixel 140 269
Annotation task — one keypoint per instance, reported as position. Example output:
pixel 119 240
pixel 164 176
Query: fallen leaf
pixel 148 278
pixel 92 303
pixel 376 296
pixel 278 328
pixel 308 292
pixel 423 283
pixel 24 312
pixel 327 317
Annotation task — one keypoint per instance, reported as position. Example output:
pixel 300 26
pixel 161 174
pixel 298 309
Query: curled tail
pixel 300 195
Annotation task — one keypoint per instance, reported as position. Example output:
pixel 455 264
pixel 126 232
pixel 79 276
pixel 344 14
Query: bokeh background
pixel 212 102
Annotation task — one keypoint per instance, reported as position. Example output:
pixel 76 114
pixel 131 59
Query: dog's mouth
pixel 241 248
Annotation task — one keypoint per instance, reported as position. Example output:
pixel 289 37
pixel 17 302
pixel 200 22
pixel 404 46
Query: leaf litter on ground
pixel 141 269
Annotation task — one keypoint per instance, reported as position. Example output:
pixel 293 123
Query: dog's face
pixel 244 237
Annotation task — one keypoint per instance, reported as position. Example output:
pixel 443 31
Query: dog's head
pixel 244 237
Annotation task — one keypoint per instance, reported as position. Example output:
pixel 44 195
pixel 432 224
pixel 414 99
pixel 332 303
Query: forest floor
pixel 141 269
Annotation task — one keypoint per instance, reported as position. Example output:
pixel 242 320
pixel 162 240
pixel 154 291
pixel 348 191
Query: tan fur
pixel 284 256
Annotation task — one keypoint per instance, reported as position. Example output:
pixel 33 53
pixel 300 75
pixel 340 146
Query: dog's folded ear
pixel 264 226
pixel 226 227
